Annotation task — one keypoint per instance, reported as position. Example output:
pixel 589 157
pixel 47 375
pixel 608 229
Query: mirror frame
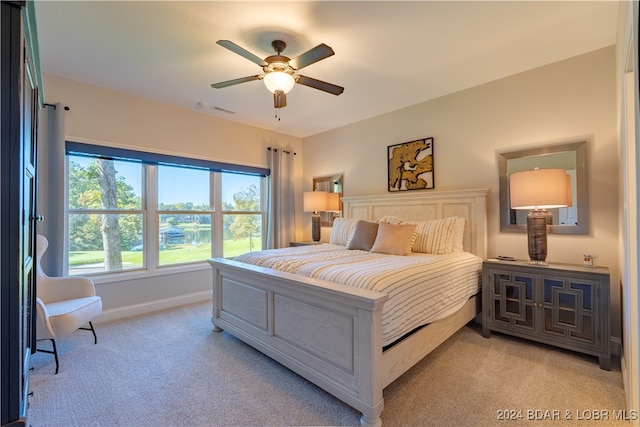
pixel 582 192
pixel 326 218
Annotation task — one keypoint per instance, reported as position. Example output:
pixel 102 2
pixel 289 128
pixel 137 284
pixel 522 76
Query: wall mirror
pixel 330 184
pixel 569 156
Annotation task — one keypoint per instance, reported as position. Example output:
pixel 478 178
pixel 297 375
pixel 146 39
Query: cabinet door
pixel 512 300
pixel 570 310
pixel 18 118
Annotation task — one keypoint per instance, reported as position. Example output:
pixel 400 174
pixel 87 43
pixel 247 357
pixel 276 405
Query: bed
pixel 332 334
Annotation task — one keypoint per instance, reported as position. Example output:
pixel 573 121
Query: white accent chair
pixel 63 304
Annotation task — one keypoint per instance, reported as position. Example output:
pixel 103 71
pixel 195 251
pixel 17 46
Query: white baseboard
pixel 616 346
pixel 151 306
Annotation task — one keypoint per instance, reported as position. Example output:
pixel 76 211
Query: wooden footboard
pixel 330 334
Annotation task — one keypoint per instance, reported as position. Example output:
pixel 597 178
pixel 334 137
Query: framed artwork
pixel 410 165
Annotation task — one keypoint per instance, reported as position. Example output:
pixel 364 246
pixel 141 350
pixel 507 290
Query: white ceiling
pixel 388 55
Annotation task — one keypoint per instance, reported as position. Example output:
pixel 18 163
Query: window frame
pixel 149 207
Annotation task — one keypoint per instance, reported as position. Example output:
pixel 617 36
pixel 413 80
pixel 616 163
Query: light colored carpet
pixel 169 369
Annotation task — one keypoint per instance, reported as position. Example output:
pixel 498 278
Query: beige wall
pixel 111 118
pixel 118 119
pixel 565 101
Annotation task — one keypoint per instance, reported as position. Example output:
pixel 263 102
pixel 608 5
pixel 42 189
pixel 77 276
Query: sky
pixel 179 184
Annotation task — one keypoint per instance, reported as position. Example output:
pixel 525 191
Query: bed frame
pixel 329 333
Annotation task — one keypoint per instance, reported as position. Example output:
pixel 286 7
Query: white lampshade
pixel 333 202
pixel 278 80
pixel 314 201
pixel 539 189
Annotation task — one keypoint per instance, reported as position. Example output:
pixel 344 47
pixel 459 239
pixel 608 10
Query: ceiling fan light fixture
pixel 279 81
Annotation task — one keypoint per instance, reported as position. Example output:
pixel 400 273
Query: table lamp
pixel 538 190
pixel 314 201
pixel 333 204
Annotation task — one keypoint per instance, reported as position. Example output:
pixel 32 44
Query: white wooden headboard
pixel 429 204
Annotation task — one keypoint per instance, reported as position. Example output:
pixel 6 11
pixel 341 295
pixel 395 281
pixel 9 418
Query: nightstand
pixel 564 305
pixel 291 244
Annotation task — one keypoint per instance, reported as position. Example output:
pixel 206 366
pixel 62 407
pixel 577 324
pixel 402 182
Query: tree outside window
pixel 105 215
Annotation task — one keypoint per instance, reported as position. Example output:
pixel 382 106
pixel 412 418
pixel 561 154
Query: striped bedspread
pixel 422 288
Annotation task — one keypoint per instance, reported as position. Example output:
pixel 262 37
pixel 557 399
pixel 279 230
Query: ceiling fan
pixel 279 71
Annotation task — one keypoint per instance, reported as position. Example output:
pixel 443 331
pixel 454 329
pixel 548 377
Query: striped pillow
pixel 342 231
pixel 434 236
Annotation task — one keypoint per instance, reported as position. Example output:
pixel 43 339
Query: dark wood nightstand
pixel 564 305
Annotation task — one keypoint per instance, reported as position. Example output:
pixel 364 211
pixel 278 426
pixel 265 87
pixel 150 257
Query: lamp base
pixel 315 227
pixel 537 236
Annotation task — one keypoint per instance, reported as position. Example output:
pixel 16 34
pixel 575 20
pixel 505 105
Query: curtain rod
pixel 66 108
pixel 284 151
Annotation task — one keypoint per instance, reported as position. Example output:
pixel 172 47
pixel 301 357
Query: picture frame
pixel 410 165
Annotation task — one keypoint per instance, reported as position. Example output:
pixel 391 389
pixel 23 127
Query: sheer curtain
pixel 280 198
pixel 50 174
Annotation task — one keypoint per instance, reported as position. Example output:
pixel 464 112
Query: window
pixel 130 212
pixel 105 214
pixel 242 216
pixel 184 215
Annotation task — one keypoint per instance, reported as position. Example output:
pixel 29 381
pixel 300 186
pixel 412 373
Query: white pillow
pixel 342 231
pixel 457 236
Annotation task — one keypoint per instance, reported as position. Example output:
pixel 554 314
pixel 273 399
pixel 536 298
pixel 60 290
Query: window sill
pixel 145 274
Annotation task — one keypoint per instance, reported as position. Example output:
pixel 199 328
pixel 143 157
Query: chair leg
pixel 54 352
pixel 90 328
pixel 55 349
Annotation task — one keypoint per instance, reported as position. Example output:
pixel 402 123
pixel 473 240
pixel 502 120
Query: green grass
pixel 177 254
pixel 95 257
pixel 174 254
pixel 232 248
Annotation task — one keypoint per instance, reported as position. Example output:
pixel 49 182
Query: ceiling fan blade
pixel 242 52
pixel 319 84
pixel 315 54
pixel 236 81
